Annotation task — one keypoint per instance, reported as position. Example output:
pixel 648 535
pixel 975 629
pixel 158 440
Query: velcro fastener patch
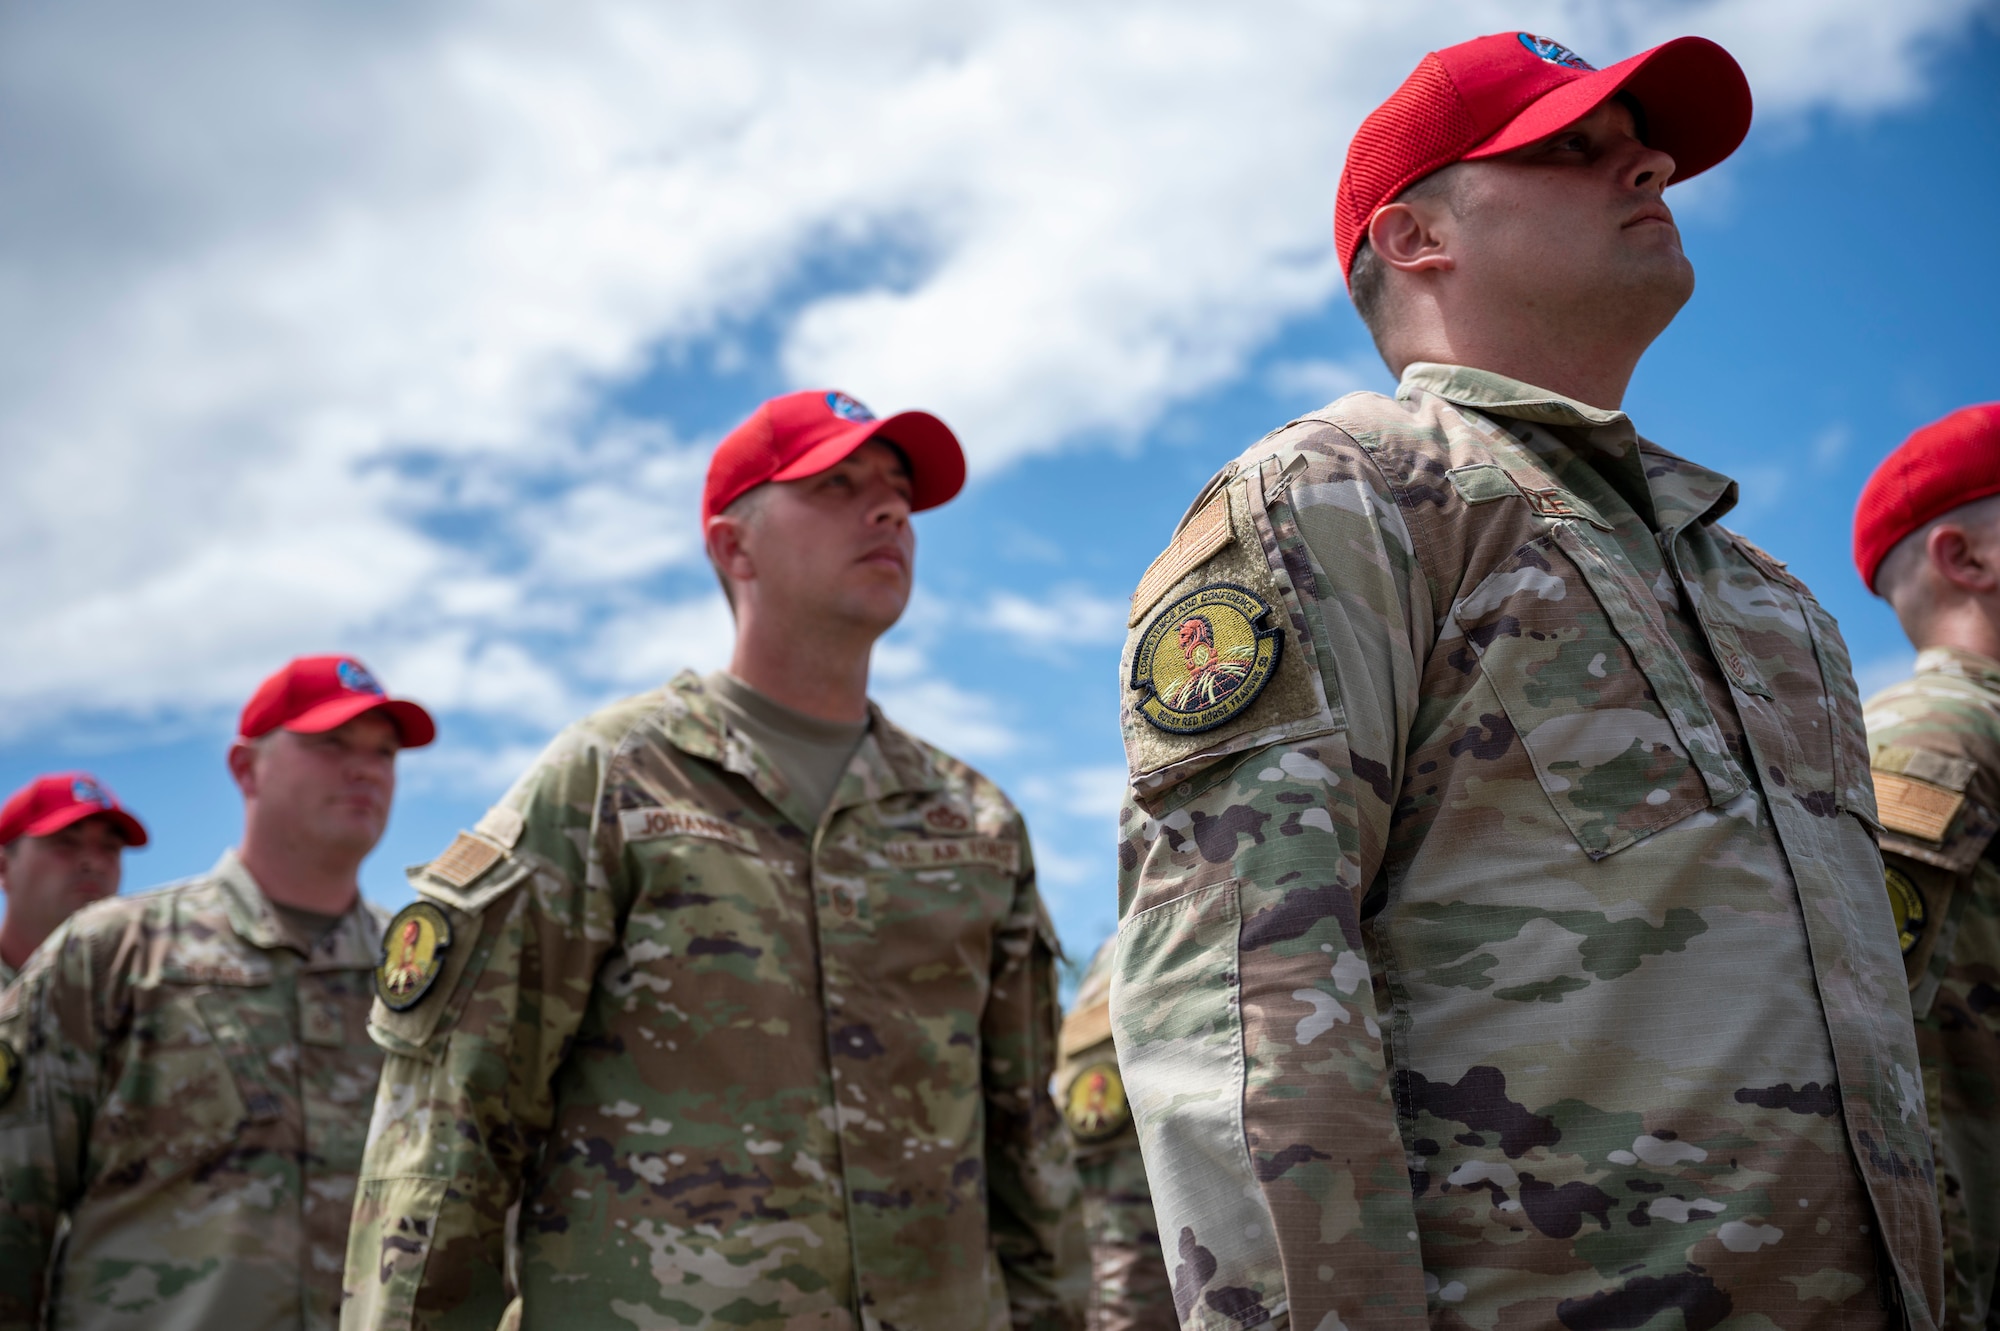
pixel 1916 808
pixel 1193 545
pixel 653 824
pixel 466 858
pixel 1084 1029
pixel 1936 769
pixel 947 852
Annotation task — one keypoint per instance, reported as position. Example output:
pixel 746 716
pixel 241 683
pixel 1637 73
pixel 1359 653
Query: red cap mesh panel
pixel 1423 126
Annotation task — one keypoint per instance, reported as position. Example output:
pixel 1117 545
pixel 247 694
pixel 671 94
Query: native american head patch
pixel 1204 658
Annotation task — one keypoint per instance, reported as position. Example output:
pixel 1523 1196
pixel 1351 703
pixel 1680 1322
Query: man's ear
pixel 1406 237
pixel 1963 559
pixel 243 766
pixel 724 538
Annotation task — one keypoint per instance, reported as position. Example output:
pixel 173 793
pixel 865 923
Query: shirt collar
pixel 354 942
pixel 1966 665
pixel 1683 492
pixel 888 762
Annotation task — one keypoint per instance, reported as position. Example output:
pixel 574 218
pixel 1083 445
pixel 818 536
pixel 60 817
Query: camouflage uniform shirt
pixel 1128 1276
pixel 1935 744
pixel 194 1094
pixel 1516 956
pixel 738 1070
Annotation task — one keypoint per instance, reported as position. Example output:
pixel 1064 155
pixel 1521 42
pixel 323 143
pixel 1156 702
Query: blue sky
pixel 317 380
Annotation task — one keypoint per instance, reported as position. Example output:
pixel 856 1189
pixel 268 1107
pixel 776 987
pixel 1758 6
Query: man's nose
pixel 1649 168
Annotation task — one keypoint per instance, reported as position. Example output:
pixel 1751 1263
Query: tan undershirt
pixel 811 754
pixel 310 925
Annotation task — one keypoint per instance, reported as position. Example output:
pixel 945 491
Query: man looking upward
pixel 196 1073
pixel 742 992
pixel 1506 946
pixel 62 846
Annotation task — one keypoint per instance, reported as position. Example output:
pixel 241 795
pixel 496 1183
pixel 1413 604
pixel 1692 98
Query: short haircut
pixel 1368 276
pixel 1896 578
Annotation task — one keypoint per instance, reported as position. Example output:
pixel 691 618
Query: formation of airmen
pixel 1519 927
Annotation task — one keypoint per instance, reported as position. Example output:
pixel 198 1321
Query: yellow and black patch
pixel 10 1071
pixel 1204 658
pixel 1095 1107
pixel 1906 905
pixel 413 951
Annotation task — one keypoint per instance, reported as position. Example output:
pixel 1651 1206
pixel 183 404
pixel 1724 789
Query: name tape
pixel 655 824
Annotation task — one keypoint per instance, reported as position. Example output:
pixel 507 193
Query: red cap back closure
pixel 1945 464
pixel 315 694
pixel 803 434
pixel 50 803
pixel 1494 94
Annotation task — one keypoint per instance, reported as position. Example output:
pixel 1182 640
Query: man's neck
pixel 821 675
pixel 304 882
pixel 15 944
pixel 1970 632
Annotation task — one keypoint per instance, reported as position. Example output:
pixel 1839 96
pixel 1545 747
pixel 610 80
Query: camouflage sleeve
pixel 1246 1005
pixel 48 1085
pixel 1034 1198
pixel 466 1096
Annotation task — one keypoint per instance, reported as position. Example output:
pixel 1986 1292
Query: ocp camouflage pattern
pixel 741 1068
pixel 1941 730
pixel 1520 957
pixel 1128 1273
pixel 197 1082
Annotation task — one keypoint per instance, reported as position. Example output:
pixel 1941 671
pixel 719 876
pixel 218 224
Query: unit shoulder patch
pixel 1205 658
pixel 413 949
pixel 1095 1106
pixel 1906 906
pixel 1915 808
pixel 10 1071
pixel 1198 540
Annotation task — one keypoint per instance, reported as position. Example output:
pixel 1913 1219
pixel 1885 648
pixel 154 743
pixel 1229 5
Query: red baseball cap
pixel 1494 94
pixel 1947 463
pixel 802 434
pixel 48 804
pixel 314 694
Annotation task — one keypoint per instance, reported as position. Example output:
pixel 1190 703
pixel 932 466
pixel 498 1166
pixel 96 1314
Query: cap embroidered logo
pixel 354 677
pixel 85 791
pixel 1554 52
pixel 845 407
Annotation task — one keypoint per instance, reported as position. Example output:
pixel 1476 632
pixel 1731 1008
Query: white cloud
pixel 1051 623
pixel 1314 383
pixel 957 720
pixel 313 311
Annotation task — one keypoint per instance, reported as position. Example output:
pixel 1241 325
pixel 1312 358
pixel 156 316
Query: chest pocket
pixel 191 1084
pixel 1611 718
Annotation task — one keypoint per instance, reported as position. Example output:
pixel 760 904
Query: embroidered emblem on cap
pixel 413 954
pixel 1204 659
pixel 354 677
pixel 845 407
pixel 85 791
pixel 1906 904
pixel 1554 52
pixel 1095 1107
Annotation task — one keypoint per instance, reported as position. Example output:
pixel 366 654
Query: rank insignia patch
pixel 10 1071
pixel 1204 659
pixel 1095 1107
pixel 1906 905
pixel 413 954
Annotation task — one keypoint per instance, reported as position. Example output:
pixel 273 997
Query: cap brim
pixel 937 463
pixel 128 827
pixel 1694 94
pixel 414 726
